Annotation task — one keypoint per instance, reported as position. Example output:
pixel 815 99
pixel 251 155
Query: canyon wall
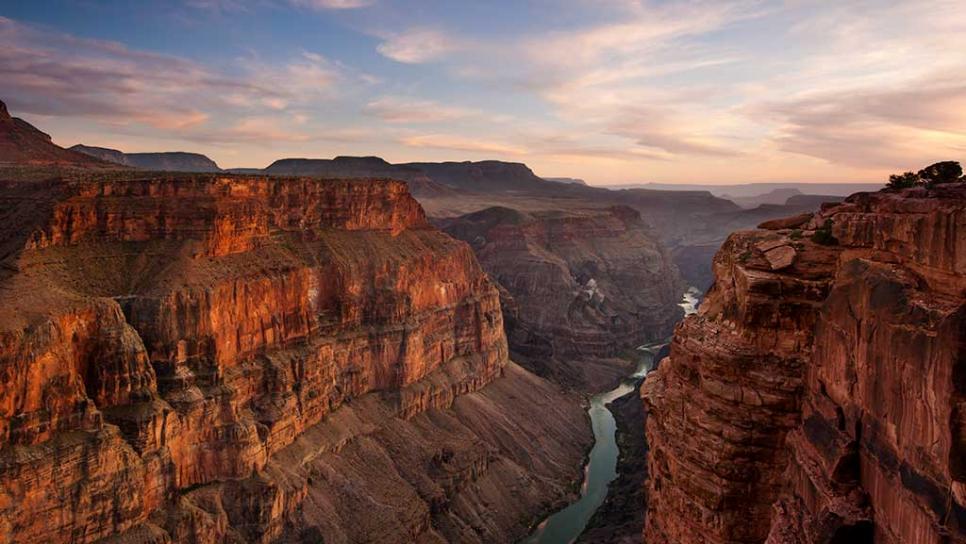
pixel 819 393
pixel 220 358
pixel 580 284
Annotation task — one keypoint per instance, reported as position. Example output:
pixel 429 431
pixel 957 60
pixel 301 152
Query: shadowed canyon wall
pixel 818 395
pixel 220 358
pixel 580 285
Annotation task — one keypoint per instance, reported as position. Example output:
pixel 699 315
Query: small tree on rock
pixel 903 181
pixel 941 172
pixel 934 174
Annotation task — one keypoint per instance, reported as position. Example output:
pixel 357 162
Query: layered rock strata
pixel 580 284
pixel 819 393
pixel 247 359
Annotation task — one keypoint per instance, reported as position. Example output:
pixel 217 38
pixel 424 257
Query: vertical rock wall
pixel 818 394
pixel 164 340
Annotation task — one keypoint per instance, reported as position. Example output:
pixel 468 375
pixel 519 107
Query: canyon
pixel 210 357
pixel 818 394
pixel 261 356
pixel 582 288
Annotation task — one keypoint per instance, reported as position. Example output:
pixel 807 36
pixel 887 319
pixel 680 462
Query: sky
pixel 610 91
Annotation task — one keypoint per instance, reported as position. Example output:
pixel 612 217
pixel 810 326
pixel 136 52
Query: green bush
pixel 824 236
pixel 941 172
pixel 934 174
pixel 903 181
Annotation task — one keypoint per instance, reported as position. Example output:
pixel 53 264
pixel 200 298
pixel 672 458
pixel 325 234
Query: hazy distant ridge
pixel 169 161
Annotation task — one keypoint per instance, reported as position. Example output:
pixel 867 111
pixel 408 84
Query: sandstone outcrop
pixel 580 285
pixel 819 396
pixel 213 358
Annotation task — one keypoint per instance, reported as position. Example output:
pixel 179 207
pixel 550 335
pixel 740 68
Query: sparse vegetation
pixel 824 235
pixel 930 176
pixel 796 234
pixel 903 181
pixel 941 172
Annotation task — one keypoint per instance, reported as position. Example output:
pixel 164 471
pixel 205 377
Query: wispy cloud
pixel 55 74
pixel 333 4
pixel 672 90
pixel 456 142
pixel 874 126
pixel 394 109
pixel 230 6
pixel 416 46
pixel 703 81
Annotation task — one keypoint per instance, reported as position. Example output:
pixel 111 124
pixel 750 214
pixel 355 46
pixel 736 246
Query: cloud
pixel 878 89
pixel 303 79
pixel 393 109
pixel 678 89
pixel 662 127
pixel 462 143
pixel 55 74
pixel 333 4
pixel 234 6
pixel 916 120
pixel 652 29
pixel 599 78
pixel 847 83
pixel 219 6
pixel 417 46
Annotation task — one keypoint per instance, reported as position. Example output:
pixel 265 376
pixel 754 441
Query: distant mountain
pixel 774 196
pixel 170 161
pixel 812 202
pixel 485 176
pixel 569 181
pixel 424 177
pixel 23 144
pixel 756 189
pixel 420 184
pixel 341 167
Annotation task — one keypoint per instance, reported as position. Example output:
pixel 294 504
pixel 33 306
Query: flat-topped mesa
pixel 226 214
pixel 166 161
pixel 163 333
pixel 818 395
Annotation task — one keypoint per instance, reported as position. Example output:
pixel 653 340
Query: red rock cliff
pixel 818 395
pixel 167 343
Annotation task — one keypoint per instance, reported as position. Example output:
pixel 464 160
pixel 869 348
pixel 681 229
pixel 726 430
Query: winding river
pixel 564 526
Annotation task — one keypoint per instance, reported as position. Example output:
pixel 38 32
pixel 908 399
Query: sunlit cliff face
pixel 709 91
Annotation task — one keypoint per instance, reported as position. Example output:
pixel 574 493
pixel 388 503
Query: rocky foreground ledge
pixel 820 393
pixel 212 358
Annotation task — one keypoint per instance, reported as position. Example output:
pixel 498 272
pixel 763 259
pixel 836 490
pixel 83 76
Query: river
pixel 564 526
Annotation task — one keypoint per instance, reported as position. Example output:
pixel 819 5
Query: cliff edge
pixel 215 358
pixel 819 394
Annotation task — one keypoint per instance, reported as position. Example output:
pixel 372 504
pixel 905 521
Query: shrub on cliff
pixel 903 181
pixel 934 174
pixel 941 172
pixel 823 235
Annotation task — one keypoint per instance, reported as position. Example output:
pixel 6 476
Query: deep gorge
pixel 349 351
